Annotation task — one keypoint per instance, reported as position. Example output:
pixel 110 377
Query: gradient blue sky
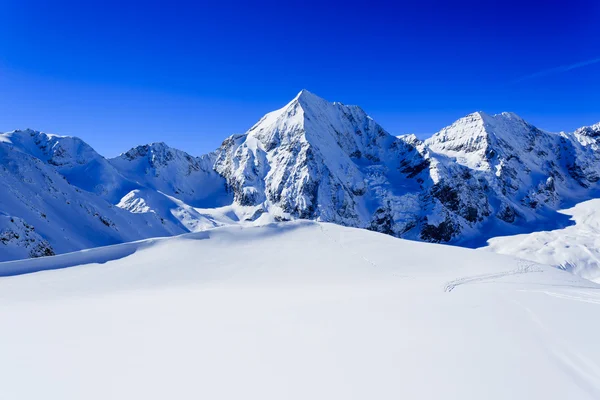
pixel 118 74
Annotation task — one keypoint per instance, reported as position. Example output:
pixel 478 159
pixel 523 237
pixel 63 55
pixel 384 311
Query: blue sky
pixel 119 74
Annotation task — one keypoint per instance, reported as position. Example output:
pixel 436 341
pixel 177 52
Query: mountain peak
pixel 145 149
pixel 305 94
pixel 509 115
pixel 308 100
pixel 490 118
pixel 590 131
pixel 477 114
pixel 38 134
pixel 485 135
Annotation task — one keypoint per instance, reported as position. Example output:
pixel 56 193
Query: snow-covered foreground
pixel 575 248
pixel 299 310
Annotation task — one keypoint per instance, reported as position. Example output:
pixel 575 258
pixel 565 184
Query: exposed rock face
pixel 328 161
pixel 314 159
pixel 19 239
pixel 495 171
pixel 53 209
pixel 483 176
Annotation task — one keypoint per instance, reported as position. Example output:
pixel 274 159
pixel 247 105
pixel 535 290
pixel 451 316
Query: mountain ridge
pixel 483 175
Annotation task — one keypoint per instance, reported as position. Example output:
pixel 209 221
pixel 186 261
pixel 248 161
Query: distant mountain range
pixel 483 176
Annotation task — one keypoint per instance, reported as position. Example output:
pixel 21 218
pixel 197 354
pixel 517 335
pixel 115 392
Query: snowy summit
pixel 480 177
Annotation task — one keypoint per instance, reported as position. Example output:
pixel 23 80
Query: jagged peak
pixel 154 149
pixel 477 115
pixel 151 147
pixel 158 146
pixel 311 102
pixel 305 97
pixel 49 148
pixel 484 117
pixel 483 132
pixel 33 132
pixel 591 130
pixel 485 122
pixel 304 102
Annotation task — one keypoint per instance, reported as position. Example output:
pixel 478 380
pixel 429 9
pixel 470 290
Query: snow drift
pixel 296 310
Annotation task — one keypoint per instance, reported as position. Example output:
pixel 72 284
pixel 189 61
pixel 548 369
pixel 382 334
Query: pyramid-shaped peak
pixel 479 115
pixel 309 99
pixel 306 95
pixel 489 120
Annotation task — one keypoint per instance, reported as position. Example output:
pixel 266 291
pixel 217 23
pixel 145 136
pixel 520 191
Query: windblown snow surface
pixel 296 310
pixel 575 248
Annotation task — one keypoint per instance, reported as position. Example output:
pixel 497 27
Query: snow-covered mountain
pixel 319 160
pixel 175 173
pixel 297 291
pixel 296 310
pixel 483 176
pixel 520 174
pixel 43 210
pixel 79 163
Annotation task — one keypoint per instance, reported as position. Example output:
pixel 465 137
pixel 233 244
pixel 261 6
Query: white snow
pixel 483 176
pixel 295 311
pixel 575 248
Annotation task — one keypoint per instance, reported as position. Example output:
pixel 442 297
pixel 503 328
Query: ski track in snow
pixel 296 310
pixel 523 269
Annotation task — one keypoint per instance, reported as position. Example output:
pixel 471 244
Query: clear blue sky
pixel 192 73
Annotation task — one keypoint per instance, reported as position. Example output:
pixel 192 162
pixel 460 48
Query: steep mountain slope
pixel 61 195
pixel 481 177
pixel 20 240
pixel 237 312
pixel 588 135
pixel 174 173
pixel 522 174
pixel 314 159
pixel 42 213
pixel 70 156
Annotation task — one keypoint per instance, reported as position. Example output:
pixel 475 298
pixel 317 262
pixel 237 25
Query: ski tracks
pixel 522 269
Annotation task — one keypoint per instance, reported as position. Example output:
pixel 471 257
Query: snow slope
pixel 296 310
pixel 500 175
pixel 71 157
pixel 575 248
pixel 482 176
pixel 175 173
pixel 39 203
pixel 60 195
pixel 327 161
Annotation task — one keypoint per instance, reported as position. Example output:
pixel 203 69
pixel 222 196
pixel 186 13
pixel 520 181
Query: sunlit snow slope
pixel 299 310
pixel 575 248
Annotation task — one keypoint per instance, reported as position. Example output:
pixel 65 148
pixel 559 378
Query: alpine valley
pixel 481 177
